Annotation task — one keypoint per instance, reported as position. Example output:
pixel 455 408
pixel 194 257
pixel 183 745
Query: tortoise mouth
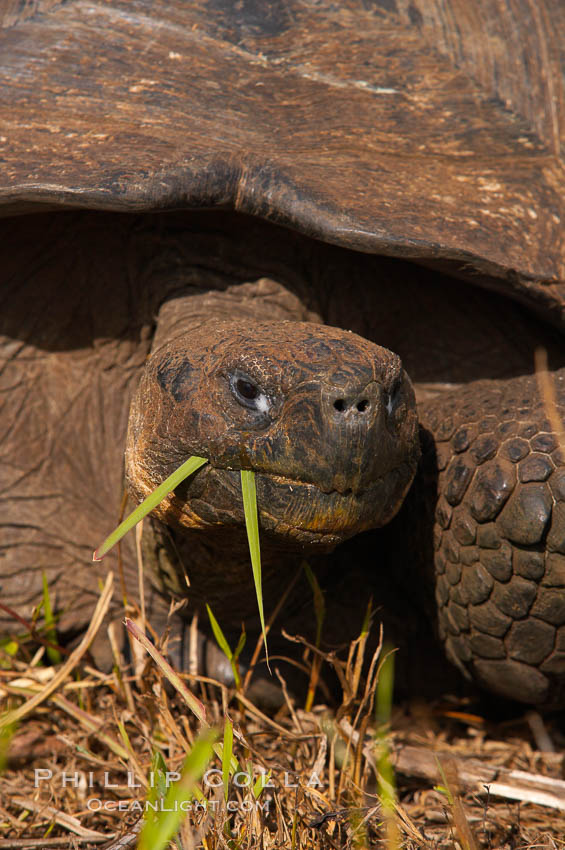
pixel 286 481
pixel 288 508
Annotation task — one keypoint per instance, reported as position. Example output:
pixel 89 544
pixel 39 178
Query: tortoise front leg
pixel 499 536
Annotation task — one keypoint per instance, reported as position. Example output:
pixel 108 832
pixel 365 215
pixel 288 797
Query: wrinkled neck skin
pixel 250 379
pixel 215 569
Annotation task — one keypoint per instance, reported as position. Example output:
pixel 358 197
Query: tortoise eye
pixel 246 389
pixel 248 393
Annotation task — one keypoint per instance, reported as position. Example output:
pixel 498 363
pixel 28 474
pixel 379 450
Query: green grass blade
pixel 320 612
pixel 241 643
pixel 158 783
pixel 6 735
pixel 386 785
pixel 261 783
pixel 226 756
pixel 186 469
pixel 161 826
pixel 53 654
pixel 225 647
pixel 219 635
pixel 252 524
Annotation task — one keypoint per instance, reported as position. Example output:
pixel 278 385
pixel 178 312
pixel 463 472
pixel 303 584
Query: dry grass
pixel 324 766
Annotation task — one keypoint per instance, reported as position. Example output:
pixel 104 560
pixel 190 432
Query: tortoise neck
pixel 216 570
pixel 260 300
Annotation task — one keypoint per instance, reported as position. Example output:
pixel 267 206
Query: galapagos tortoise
pixel 223 183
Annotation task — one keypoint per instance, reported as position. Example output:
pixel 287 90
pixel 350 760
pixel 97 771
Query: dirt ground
pixel 87 750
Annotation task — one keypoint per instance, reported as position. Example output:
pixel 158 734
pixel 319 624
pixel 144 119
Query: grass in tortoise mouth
pixel 189 467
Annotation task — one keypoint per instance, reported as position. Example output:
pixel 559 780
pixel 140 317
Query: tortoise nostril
pixel 341 405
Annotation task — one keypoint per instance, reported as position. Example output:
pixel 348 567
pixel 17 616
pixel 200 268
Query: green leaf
pixel 53 654
pixel 261 784
pixel 159 771
pixel 9 646
pixel 383 711
pixel 6 735
pixel 226 755
pixel 385 688
pixel 160 827
pixel 187 468
pixel 219 635
pixel 445 789
pixel 252 524
pixel 125 736
pixel 225 647
pixel 241 643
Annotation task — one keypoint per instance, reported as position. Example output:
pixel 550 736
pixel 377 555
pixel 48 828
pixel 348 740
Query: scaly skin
pixel 500 536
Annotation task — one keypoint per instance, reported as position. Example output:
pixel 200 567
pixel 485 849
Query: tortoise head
pixel 326 419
